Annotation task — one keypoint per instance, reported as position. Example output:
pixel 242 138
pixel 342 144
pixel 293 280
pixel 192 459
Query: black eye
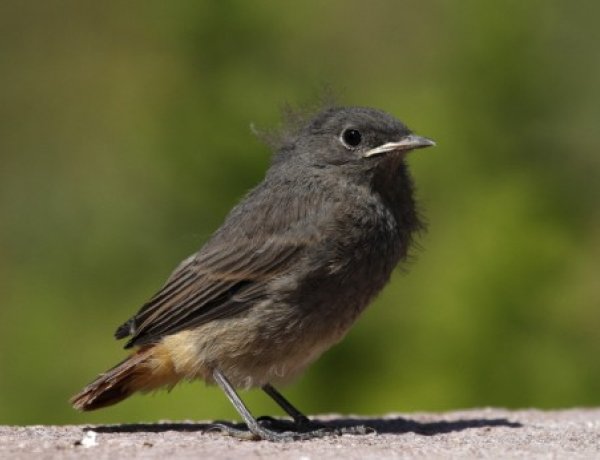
pixel 351 137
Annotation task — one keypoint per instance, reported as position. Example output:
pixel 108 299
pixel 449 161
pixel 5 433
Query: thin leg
pixel 301 421
pixel 299 418
pixel 258 431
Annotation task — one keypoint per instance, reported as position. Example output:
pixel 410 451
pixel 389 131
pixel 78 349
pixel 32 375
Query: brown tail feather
pixel 142 371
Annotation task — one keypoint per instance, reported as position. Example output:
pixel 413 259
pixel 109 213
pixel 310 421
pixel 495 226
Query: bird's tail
pixel 147 369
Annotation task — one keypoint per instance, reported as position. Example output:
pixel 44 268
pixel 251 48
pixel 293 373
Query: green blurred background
pixel 125 138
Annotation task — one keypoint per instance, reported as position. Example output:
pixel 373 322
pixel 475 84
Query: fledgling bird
pixel 285 276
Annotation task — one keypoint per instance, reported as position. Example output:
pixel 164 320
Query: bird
pixel 287 274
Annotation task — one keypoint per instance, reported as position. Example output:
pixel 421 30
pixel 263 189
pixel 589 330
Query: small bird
pixel 285 276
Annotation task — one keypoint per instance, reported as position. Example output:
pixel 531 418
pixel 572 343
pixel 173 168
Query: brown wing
pixel 219 281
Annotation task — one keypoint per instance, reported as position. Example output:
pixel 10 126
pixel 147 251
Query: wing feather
pixel 232 272
pixel 211 286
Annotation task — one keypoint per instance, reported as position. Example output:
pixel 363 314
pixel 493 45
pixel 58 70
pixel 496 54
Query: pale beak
pixel 410 142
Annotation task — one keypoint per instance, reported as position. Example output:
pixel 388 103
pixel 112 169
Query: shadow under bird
pixel 285 276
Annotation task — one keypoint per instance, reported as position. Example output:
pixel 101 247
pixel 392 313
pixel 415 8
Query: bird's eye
pixel 351 138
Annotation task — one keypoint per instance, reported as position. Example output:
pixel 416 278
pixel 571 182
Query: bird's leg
pixel 304 428
pixel 257 431
pixel 301 421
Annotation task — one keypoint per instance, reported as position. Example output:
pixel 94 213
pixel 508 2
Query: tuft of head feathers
pixel 294 119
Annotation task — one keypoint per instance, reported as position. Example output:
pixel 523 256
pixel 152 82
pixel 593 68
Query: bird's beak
pixel 410 142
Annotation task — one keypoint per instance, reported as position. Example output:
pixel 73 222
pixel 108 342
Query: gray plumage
pixel 291 268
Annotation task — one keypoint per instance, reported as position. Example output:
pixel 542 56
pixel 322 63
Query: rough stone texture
pixel 488 433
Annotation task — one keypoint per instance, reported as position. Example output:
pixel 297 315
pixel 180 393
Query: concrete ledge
pixel 492 433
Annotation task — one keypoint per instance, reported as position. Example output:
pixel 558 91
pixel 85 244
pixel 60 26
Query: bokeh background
pixel 125 138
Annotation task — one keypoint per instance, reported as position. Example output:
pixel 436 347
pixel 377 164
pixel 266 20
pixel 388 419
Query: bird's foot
pixel 305 425
pixel 232 430
pixel 276 430
pixel 260 432
pixel 299 425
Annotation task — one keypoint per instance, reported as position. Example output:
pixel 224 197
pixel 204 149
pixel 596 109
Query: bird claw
pixel 257 434
pixel 299 426
pixel 361 430
pixel 232 431
pixel 275 430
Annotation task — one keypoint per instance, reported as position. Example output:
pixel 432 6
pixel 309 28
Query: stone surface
pixel 488 433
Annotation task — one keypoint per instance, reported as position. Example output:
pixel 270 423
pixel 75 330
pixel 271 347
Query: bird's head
pixel 359 137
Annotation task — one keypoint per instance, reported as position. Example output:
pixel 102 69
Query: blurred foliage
pixel 125 138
